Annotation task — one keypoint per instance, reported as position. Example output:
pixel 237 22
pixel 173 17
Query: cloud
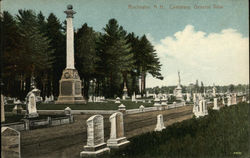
pixel 221 58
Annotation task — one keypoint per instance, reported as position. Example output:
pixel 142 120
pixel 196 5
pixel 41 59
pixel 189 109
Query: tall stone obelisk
pixel 70 88
pixel 178 89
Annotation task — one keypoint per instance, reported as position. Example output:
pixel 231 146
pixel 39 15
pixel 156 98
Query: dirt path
pixel 67 141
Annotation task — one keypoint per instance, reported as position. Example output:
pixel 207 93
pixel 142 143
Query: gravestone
pixel 195 106
pixel 67 111
pixel 141 108
pixel 90 98
pixel 229 100
pixel 194 97
pixel 215 104
pixel 122 108
pixel 243 99
pixel 133 97
pixel 201 108
pixel 188 97
pixel 164 101
pixel 160 123
pixel 10 143
pixel 117 100
pixel 117 138
pixel 31 110
pixel 157 102
pixel 234 99
pixel 95 137
pixel 223 101
pixel 123 97
pixel 125 92
pixel 205 112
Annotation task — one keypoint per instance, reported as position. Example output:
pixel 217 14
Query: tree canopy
pixel 35 46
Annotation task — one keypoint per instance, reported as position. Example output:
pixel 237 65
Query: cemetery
pixel 92 101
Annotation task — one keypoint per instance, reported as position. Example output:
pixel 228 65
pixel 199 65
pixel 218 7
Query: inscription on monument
pixel 78 88
pixel 119 125
pixel 66 88
pixel 98 130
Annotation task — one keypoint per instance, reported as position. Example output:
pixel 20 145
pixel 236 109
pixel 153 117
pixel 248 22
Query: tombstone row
pixel 95 135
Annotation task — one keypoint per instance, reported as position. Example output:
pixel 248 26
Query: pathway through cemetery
pixel 67 141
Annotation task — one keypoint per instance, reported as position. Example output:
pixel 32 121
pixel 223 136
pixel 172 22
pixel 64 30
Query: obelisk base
pixel 70 88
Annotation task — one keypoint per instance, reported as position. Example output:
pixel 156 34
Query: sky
pixel 206 40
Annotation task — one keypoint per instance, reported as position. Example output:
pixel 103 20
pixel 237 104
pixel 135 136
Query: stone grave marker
pixel 160 123
pixel 122 108
pixel 229 101
pixel 141 108
pixel 10 143
pixel 117 138
pixel 95 137
pixel 117 100
pixel 31 110
pixel 215 104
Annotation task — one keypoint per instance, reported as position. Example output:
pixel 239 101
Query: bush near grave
pixel 221 134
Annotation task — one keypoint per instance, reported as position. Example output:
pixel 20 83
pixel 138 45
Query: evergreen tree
pixel 36 48
pixel 146 59
pixel 86 58
pixel 56 35
pixel 11 56
pixel 116 58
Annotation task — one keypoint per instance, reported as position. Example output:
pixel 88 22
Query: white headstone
pixel 164 101
pixel 117 138
pixel 133 97
pixel 122 108
pixel 141 108
pixel 243 99
pixel 160 123
pixel 229 101
pixel 95 137
pixel 10 143
pixel 90 98
pixel 234 99
pixel 223 101
pixel 157 102
pixel 205 112
pixel 117 100
pixel 31 110
pixel 188 97
pixel 215 104
pixel 67 111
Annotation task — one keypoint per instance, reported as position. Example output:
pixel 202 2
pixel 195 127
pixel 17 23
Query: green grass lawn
pixel 221 134
pixel 110 105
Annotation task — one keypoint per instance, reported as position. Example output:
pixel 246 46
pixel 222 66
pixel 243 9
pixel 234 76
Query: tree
pixel 56 35
pixel 11 56
pixel 36 51
pixel 116 58
pixel 146 59
pixel 86 58
pixel 231 88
